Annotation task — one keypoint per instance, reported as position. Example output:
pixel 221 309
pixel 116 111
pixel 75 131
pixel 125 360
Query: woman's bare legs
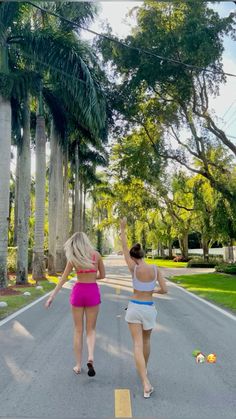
pixel 136 331
pixel 78 316
pixel 91 314
pixel 146 345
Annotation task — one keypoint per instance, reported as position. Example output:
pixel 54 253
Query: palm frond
pixel 8 11
pixel 81 13
pixel 63 56
pixel 25 81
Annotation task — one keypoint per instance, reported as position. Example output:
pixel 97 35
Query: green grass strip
pixel 214 287
pixel 165 263
pixel 15 302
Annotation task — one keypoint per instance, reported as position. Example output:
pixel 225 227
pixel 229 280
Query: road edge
pixel 212 305
pixel 21 310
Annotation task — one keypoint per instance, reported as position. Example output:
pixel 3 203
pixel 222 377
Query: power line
pixel 234 101
pixel 139 50
pixel 229 123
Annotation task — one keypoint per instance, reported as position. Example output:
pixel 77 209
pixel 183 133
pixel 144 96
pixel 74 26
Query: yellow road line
pixel 122 403
pixel 117 291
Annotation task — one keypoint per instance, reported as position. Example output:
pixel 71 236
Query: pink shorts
pixel 85 294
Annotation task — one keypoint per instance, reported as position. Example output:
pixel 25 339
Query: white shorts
pixel 141 314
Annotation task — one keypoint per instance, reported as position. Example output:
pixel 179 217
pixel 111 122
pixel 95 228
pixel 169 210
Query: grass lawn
pixel 15 302
pixel 165 263
pixel 215 287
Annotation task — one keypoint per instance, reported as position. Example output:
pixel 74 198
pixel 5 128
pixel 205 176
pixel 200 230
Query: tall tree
pixel 40 192
pixel 23 204
pixel 178 73
pixel 7 13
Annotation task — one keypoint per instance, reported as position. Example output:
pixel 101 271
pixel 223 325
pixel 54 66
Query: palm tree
pixel 7 11
pixel 53 201
pixel 61 54
pixel 23 204
pixel 40 185
pixel 5 153
pixel 85 159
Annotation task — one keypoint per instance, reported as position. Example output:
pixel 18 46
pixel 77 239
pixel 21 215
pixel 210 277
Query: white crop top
pixel 144 286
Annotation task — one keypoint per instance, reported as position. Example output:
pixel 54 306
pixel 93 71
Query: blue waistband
pixel 146 303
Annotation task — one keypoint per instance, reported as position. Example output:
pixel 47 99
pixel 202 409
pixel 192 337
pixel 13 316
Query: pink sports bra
pixel 88 271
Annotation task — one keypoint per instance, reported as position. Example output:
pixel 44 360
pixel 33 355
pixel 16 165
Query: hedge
pixel 201 263
pixel 227 268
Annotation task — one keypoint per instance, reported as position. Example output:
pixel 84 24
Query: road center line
pixel 122 403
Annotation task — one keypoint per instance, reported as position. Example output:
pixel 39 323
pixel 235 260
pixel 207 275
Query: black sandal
pixel 91 370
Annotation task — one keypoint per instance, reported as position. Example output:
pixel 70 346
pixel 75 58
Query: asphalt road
pixel 36 378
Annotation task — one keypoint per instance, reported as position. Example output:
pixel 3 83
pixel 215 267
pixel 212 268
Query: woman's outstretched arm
pixel 60 284
pixel 129 261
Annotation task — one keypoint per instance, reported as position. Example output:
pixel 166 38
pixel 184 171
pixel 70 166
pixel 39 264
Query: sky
pixel 115 13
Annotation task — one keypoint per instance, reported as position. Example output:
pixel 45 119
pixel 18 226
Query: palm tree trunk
pixel 40 186
pixel 73 206
pixel 60 255
pixel 84 210
pixel 66 219
pixel 16 194
pixel 24 199
pixel 5 153
pixel 53 204
pixel 92 214
pixel 77 190
pixel 81 206
pixel 11 200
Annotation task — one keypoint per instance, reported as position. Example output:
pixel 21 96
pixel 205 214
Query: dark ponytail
pixel 136 251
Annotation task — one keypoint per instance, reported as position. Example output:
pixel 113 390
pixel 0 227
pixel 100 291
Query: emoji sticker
pixel 211 358
pixel 200 358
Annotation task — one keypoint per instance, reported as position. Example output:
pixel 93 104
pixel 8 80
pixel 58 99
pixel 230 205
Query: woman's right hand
pixel 123 223
pixel 49 301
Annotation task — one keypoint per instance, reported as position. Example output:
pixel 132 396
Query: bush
pixel 201 263
pixel 163 257
pixel 12 256
pixel 227 268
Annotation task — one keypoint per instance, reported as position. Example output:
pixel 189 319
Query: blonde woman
pixel 85 295
pixel 141 312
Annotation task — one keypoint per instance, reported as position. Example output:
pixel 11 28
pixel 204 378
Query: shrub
pixel 162 257
pixel 227 268
pixel 201 263
pixel 166 257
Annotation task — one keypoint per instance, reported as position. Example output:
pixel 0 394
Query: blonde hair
pixel 79 250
